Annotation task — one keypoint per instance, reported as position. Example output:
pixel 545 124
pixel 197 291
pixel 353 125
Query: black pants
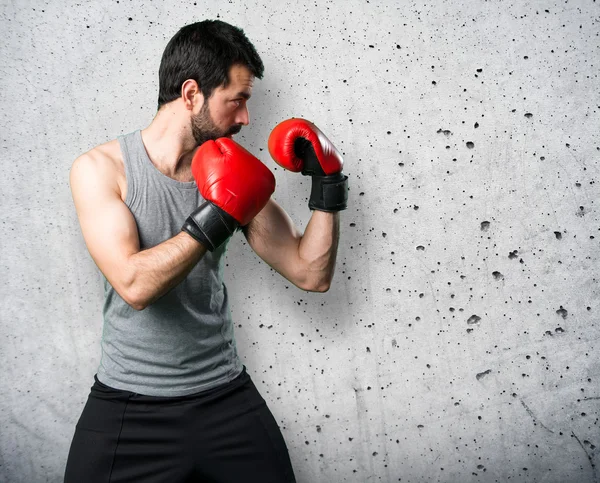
pixel 226 434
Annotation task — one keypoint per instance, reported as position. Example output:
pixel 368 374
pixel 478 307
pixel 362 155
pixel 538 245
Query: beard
pixel 204 129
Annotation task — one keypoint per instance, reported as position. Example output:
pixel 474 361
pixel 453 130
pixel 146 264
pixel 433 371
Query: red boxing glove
pixel 236 186
pixel 299 145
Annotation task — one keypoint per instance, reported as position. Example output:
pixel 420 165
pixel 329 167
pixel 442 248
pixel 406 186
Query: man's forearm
pixel 318 247
pixel 155 271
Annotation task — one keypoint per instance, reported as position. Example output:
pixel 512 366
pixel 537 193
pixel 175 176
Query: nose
pixel 242 117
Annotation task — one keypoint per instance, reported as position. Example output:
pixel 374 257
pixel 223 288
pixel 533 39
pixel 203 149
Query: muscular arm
pixel 308 260
pixel 110 233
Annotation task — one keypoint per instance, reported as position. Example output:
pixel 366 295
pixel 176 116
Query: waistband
pixel 102 391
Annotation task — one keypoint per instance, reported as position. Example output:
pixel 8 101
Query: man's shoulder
pixel 104 156
pixel 103 163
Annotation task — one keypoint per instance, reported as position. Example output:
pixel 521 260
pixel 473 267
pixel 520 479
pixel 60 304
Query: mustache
pixel 234 130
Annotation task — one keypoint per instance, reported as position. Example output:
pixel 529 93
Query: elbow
pixel 134 297
pixel 135 300
pixel 127 283
pixel 132 290
pixel 321 285
pixel 322 288
pixel 138 305
pixel 312 279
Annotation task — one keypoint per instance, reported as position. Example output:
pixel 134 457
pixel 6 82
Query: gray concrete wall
pixel 460 339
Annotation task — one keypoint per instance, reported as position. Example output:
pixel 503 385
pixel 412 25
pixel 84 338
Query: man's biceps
pixel 272 229
pixel 278 250
pixel 110 232
pixel 279 223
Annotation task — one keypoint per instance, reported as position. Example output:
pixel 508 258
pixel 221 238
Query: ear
pixel 191 95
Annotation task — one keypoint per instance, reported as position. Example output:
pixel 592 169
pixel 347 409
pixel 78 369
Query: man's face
pixel 225 112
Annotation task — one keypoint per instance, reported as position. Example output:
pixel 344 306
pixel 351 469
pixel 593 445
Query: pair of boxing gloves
pixel 237 186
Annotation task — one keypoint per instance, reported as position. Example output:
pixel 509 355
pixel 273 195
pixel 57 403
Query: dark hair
pixel 204 51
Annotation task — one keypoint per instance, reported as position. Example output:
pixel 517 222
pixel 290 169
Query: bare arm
pixel 308 260
pixel 110 233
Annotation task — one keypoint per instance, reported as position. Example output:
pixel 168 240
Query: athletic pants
pixel 223 435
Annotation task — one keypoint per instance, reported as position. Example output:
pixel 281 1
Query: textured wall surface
pixel 460 339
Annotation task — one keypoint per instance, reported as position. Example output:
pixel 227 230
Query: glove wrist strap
pixel 329 193
pixel 210 225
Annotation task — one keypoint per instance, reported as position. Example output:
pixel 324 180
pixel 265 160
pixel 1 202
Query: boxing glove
pixel 299 145
pixel 235 185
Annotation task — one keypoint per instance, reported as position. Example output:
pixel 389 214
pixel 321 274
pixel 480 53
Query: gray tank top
pixel 183 343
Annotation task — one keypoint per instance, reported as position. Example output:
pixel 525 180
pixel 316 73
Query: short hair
pixel 204 51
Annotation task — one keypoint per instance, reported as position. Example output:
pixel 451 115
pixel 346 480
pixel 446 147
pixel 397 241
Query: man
pixel 171 401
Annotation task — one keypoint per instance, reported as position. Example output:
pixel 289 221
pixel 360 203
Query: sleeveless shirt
pixel 184 342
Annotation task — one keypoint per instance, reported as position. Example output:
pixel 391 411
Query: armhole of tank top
pixel 128 173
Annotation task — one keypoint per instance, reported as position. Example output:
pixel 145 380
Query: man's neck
pixel 169 143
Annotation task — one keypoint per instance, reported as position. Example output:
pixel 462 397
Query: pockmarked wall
pixel 460 339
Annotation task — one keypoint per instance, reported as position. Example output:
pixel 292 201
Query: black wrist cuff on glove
pixel 210 225
pixel 329 193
